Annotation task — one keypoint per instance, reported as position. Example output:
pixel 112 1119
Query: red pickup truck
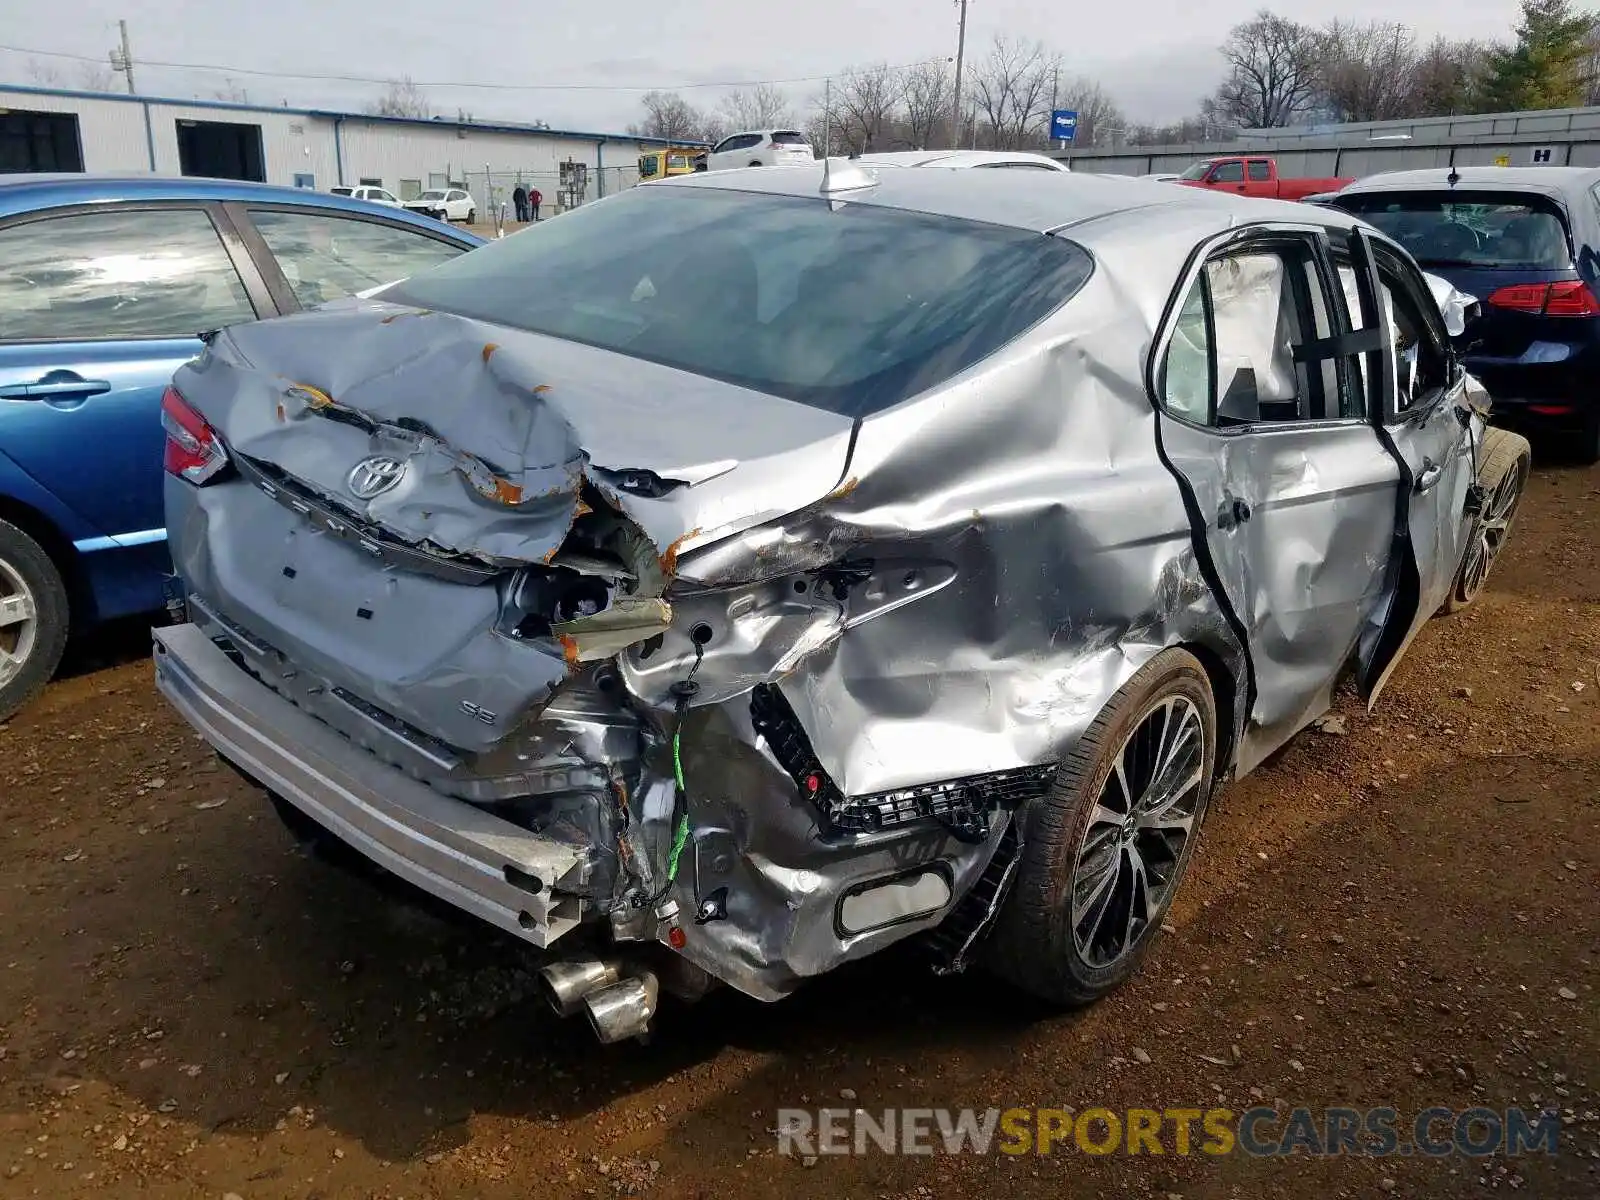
pixel 1254 175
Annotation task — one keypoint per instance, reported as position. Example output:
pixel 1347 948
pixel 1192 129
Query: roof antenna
pixel 1454 177
pixel 848 176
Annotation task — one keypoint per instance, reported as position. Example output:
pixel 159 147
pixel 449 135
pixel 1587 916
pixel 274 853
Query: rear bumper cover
pixel 488 867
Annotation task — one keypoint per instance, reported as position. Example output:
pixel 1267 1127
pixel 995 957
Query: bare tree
pixel 96 77
pixel 1367 72
pixel 1011 89
pixel 1191 129
pixel 670 117
pixel 864 106
pixel 925 98
pixel 763 107
pixel 1101 120
pixel 1273 66
pixel 238 95
pixel 402 98
pixel 43 73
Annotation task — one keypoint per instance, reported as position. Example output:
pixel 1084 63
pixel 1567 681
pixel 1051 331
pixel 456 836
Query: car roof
pixel 958 158
pixel 1032 200
pixel 31 192
pixel 1552 181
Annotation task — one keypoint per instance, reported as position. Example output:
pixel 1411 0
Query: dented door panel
pixel 1301 524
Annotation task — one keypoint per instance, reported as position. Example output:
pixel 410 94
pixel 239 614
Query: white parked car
pixel 760 148
pixel 448 204
pixel 376 195
pixel 962 159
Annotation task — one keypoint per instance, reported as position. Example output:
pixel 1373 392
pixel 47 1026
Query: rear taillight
pixel 1567 298
pixel 194 451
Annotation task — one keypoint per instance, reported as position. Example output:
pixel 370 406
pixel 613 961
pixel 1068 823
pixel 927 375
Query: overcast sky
pixel 1155 56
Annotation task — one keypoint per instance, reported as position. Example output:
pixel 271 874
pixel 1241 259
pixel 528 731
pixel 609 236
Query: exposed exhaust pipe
pixel 567 982
pixel 622 1010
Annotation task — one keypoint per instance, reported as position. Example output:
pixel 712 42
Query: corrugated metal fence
pixel 1560 137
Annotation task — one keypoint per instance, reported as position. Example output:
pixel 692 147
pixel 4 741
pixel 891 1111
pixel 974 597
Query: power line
pixel 444 83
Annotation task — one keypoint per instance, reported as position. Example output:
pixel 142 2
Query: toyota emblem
pixel 373 476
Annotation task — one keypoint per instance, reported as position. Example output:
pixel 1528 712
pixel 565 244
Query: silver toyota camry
pixel 748 572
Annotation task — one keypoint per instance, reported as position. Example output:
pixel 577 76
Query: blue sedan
pixel 105 285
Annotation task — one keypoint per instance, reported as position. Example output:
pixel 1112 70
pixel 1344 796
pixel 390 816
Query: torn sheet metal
pixel 754 654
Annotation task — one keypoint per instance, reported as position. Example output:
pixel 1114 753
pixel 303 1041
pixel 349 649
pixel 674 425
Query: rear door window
pixel 1260 170
pixel 134 273
pixel 1498 230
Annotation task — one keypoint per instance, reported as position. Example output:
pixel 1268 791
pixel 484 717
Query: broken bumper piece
pixel 488 867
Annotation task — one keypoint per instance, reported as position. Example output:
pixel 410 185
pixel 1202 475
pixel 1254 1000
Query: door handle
pixel 69 387
pixel 14 391
pixel 1431 474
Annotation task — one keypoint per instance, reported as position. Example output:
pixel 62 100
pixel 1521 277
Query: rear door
pixel 1291 489
pixel 100 307
pixel 1259 177
pixel 1417 396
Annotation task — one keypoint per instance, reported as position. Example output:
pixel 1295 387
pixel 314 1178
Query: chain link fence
pixel 493 192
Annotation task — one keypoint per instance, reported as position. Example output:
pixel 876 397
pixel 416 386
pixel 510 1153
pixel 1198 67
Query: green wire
pixel 682 834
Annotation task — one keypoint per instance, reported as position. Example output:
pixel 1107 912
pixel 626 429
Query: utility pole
pixel 122 60
pixel 961 52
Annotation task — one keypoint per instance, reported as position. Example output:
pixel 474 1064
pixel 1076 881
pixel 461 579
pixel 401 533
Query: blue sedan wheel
pixel 33 618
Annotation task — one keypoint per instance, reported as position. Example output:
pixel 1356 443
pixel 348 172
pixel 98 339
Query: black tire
pixel 756 163
pixel 1507 460
pixel 26 572
pixel 472 216
pixel 1035 944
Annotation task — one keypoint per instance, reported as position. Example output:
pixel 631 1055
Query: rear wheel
pixel 1105 850
pixel 472 216
pixel 34 617
pixel 1503 476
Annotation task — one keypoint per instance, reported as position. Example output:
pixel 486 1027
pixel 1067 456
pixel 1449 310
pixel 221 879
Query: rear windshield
pixel 850 310
pixel 788 137
pixel 1492 230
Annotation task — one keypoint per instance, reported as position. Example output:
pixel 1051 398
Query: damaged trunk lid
pixel 445 517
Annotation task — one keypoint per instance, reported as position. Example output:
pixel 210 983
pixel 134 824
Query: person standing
pixel 533 202
pixel 519 201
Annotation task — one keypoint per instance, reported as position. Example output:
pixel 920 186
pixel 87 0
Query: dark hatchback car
pixel 105 285
pixel 1524 241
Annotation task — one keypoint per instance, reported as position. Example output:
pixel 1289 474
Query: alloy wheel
pixel 1493 524
pixel 1133 844
pixel 19 622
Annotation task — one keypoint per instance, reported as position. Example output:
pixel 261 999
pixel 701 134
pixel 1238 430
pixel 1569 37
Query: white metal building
pixel 53 129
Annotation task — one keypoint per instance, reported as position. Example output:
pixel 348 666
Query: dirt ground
pixel 1404 915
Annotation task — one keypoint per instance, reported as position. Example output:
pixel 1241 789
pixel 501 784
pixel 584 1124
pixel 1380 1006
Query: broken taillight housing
pixel 1565 298
pixel 194 451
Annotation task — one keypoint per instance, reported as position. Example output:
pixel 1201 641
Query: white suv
pixel 760 148
pixel 448 204
pixel 376 195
